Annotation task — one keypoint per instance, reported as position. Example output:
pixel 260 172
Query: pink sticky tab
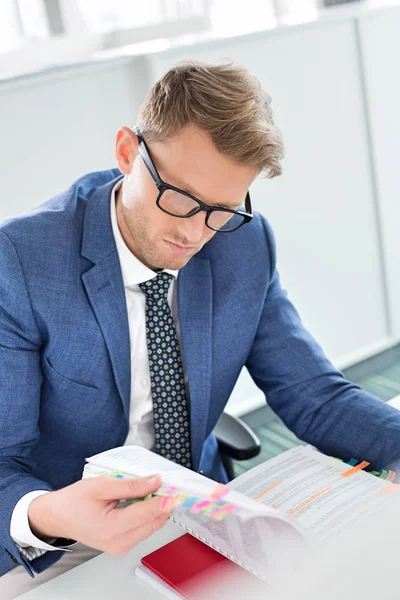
pixel 229 508
pixel 199 506
pixel 164 503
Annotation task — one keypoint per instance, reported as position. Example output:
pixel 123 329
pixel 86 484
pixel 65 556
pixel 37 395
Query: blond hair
pixel 225 101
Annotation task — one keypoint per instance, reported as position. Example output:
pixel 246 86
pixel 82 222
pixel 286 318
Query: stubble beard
pixel 144 248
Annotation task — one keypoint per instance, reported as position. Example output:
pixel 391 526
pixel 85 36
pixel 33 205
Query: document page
pixel 322 494
pixel 135 461
pixel 249 533
pixel 265 545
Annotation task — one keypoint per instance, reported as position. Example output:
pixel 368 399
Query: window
pixel 33 18
pixel 11 32
pixel 28 28
pixel 106 15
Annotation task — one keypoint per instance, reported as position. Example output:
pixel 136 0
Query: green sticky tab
pixel 135 500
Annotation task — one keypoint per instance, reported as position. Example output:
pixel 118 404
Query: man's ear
pixel 126 149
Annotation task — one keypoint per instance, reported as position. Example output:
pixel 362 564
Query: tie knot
pixel 156 289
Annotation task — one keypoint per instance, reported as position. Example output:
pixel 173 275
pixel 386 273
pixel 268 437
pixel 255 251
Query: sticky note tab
pixel 220 491
pixel 393 488
pixel 355 469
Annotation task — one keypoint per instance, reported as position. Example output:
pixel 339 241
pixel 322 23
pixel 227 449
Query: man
pixel 129 305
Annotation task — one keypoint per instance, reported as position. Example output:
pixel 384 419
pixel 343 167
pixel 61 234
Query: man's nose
pixel 193 228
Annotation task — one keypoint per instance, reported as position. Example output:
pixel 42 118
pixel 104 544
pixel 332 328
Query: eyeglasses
pixel 181 204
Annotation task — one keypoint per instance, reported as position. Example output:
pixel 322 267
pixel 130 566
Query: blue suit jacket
pixel 65 357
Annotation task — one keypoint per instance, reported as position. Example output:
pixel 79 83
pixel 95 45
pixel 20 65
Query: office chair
pixel 236 441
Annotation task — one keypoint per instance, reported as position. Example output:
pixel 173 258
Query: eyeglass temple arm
pixel 147 158
pixel 247 204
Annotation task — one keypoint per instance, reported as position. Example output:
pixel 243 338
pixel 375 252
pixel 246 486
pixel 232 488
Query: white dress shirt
pixel 141 422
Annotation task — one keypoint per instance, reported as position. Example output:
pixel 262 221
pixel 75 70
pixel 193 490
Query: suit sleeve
pixel 20 385
pixel 309 394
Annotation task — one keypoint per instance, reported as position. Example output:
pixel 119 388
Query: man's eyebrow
pixel 186 188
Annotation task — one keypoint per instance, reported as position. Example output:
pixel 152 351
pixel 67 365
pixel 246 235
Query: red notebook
pixel 193 569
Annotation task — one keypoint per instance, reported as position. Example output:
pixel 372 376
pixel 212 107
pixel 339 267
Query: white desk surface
pixel 109 577
pixel 105 576
pixel 395 402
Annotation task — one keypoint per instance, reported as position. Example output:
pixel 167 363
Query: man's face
pixel 189 161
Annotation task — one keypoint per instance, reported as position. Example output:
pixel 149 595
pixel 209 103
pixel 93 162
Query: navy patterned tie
pixel 171 420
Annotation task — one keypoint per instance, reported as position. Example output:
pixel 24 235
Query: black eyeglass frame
pixel 162 186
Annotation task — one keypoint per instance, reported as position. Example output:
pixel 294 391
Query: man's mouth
pixel 178 249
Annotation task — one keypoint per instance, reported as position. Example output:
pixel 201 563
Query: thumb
pixel 110 488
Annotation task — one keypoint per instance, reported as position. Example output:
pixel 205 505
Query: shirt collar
pixel 133 270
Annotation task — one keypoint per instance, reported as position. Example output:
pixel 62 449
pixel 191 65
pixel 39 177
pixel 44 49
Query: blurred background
pixel 73 71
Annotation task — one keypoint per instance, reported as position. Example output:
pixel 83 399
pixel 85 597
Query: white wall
pixel 58 126
pixel 381 50
pixel 334 211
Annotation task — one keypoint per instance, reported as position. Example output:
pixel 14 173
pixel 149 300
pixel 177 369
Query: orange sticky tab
pixel 169 503
pixel 219 491
pixel 268 490
pixel 355 469
pixel 391 489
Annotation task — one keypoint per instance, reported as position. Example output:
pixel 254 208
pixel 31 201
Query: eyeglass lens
pixel 179 205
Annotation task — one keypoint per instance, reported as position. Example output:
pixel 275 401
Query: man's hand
pixel 86 512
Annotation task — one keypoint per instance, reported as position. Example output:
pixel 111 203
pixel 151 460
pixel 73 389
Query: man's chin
pixel 174 264
pixel 174 261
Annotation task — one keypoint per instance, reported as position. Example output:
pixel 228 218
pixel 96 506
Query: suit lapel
pixel 105 290
pixel 195 320
pixel 104 286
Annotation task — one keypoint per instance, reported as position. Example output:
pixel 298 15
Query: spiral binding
pixel 218 549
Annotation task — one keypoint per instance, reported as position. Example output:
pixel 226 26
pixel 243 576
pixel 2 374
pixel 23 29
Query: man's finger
pixel 126 542
pixel 138 515
pixel 110 488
